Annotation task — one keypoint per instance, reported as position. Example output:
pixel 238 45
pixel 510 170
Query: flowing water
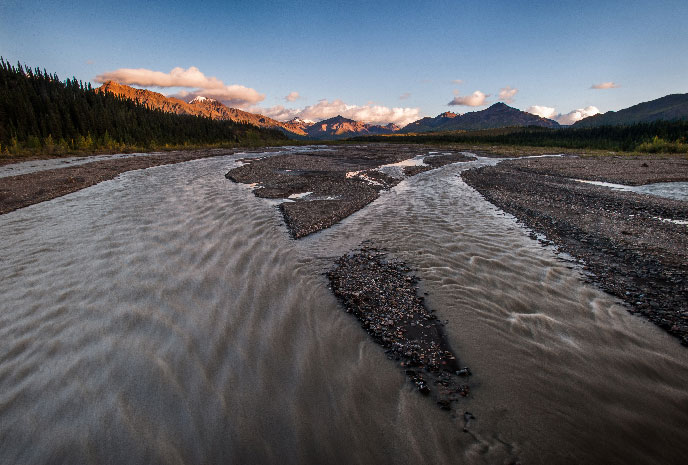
pixel 670 190
pixel 166 317
pixel 32 166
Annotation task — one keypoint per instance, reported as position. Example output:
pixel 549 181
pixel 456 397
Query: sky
pixel 380 62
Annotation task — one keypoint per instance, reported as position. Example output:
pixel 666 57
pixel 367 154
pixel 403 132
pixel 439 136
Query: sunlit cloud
pixel 605 85
pixel 542 112
pixel 476 99
pixel 201 85
pixel 576 115
pixel 507 94
pixel 292 96
pixel 324 109
pixel 404 96
pixel 457 82
pixel 565 119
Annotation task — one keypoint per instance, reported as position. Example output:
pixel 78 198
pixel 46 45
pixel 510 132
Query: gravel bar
pixel 383 296
pixel 634 246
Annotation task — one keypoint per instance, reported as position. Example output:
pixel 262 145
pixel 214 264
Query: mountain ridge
pixel 339 127
pixel 498 115
pixel 668 108
pixel 207 107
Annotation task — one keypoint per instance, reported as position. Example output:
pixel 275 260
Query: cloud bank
pixel 577 115
pixel 507 94
pixel 476 99
pixel 193 78
pixel 542 112
pixel 566 119
pixel 605 85
pixel 324 109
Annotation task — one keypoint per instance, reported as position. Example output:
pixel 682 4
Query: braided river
pixel 167 317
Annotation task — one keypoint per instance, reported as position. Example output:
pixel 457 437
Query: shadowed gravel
pixel 626 240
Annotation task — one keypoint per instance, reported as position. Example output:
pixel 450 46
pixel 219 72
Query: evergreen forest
pixel 41 114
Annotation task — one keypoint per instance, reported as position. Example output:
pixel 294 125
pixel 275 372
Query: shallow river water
pixel 166 317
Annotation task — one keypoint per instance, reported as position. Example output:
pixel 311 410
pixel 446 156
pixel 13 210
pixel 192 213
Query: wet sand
pixel 624 240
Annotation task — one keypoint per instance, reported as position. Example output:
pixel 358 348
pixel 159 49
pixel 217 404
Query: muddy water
pixel 166 317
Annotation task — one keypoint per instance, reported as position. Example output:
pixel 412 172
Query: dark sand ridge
pixel 624 239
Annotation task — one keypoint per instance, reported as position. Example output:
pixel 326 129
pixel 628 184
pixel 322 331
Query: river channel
pixel 167 317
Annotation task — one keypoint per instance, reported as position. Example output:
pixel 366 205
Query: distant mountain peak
pixel 498 115
pixel 338 119
pixel 297 120
pixel 200 98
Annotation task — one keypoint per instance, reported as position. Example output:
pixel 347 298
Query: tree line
pixel 41 114
pixel 657 136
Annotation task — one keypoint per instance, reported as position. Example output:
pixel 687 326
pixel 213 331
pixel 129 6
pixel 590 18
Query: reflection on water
pixel 166 317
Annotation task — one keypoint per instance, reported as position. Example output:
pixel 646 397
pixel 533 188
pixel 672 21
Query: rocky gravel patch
pixel 625 241
pixel 339 181
pixel 382 294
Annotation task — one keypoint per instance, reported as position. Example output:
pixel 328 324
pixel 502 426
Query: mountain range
pixel 670 107
pixel 333 128
pixel 499 115
pixel 200 106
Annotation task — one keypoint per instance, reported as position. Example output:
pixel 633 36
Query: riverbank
pixel 632 245
pixel 35 187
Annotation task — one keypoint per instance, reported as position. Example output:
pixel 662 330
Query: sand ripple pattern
pixel 166 317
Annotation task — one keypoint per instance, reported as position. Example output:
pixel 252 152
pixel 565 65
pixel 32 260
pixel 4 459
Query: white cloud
pixel 324 109
pixel 277 112
pixel 605 85
pixel 233 95
pixel 458 82
pixel 577 115
pixel 292 96
pixel 566 119
pixel 543 112
pixel 507 94
pixel 404 96
pixel 476 99
pixel 178 77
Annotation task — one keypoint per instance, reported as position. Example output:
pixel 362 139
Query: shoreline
pixel 625 240
pixel 31 188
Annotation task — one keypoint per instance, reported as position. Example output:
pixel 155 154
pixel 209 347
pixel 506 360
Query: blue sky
pixel 363 57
